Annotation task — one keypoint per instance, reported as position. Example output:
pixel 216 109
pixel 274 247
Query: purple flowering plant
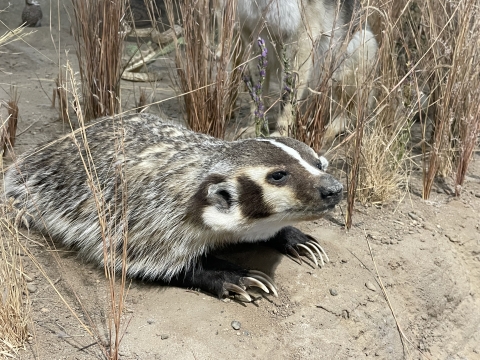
pixel 255 90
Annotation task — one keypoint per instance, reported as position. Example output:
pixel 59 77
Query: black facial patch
pixel 251 199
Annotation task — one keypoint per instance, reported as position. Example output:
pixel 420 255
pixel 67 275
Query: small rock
pixel 345 314
pixel 164 336
pixel 150 321
pixel 428 227
pixel 32 288
pixel 333 292
pixel 414 216
pixel 370 286
pixel 62 335
pixel 236 325
pixel 452 238
pixel 477 195
pixel 44 310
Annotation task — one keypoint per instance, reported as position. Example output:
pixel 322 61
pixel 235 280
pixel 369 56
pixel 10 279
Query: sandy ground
pixel 427 254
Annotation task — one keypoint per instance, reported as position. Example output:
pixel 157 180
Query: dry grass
pixel 110 225
pixel 99 36
pixel 209 84
pixel 15 308
pixel 141 104
pixel 60 95
pixel 9 127
pixel 14 303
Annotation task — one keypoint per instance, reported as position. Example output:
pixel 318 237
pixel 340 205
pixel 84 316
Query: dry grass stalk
pixel 9 129
pixel 469 131
pixel 60 92
pixel 99 39
pixel 15 308
pixel 141 104
pixel 210 85
pixel 111 227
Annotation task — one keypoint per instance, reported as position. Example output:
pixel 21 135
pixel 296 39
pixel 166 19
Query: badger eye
pixel 278 177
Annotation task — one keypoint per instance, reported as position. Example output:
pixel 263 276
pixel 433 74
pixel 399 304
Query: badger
pixel 165 198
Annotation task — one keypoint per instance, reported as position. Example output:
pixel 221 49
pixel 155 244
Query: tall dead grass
pixel 15 310
pixel 205 76
pixel 99 36
pixel 114 228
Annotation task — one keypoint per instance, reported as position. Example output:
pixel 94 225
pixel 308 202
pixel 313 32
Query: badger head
pixel 259 186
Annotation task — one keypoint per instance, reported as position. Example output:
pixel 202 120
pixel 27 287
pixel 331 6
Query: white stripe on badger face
pixel 294 153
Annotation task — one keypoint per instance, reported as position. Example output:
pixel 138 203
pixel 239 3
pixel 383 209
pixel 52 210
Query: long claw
pixel 237 289
pixel 294 253
pixel 314 247
pixel 323 252
pixel 263 278
pixel 310 252
pixel 262 274
pixel 319 246
pixel 311 238
pixel 250 281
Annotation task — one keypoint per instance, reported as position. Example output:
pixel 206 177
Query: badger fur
pixel 187 194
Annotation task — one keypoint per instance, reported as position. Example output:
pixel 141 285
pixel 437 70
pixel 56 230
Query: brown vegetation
pixel 99 35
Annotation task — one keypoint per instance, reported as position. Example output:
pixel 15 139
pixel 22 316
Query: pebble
pixel 333 292
pixel 62 335
pixel 44 310
pixel 452 238
pixel 428 227
pixel 150 321
pixel 370 286
pixel 414 216
pixel 164 336
pixel 32 288
pixel 236 325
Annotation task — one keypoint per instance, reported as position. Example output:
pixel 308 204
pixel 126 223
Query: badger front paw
pixel 223 278
pixel 290 241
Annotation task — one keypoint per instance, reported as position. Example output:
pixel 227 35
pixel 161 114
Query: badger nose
pixel 332 189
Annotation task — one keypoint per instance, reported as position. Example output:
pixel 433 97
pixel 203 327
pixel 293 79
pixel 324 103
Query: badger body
pixel 176 195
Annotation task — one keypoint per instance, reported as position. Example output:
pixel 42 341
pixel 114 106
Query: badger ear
pixel 220 195
pixel 324 163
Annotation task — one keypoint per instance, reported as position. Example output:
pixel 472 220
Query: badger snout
pixel 331 189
